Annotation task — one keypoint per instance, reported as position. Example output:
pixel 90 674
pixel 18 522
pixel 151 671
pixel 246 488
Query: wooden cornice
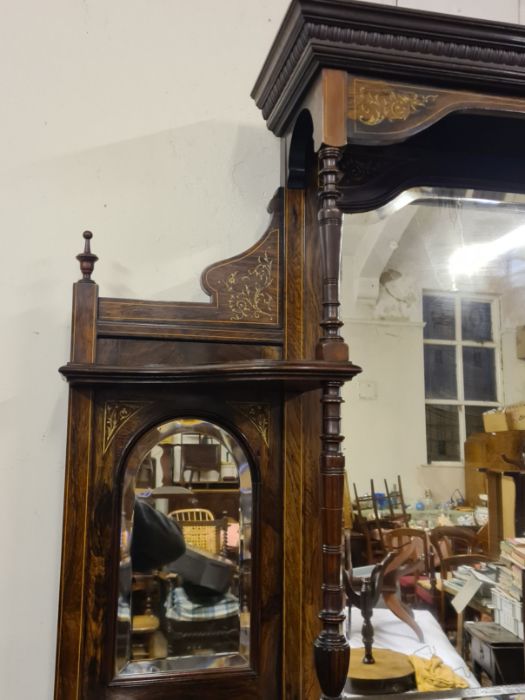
pixel 395 43
pixel 296 375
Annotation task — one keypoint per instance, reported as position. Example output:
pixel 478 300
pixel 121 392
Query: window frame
pixel 459 344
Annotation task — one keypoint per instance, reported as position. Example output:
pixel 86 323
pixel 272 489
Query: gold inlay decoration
pixel 375 105
pixel 258 414
pixel 115 416
pixel 249 297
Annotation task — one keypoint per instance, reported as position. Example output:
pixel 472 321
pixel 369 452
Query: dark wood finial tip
pixel 87 259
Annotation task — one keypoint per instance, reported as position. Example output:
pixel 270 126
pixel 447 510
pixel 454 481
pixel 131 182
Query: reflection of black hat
pixel 203 571
pixel 156 539
pixel 200 594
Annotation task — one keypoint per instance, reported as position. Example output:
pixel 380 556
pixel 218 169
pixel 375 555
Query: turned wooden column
pixel 331 649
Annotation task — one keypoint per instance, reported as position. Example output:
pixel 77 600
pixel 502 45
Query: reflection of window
pixel 460 357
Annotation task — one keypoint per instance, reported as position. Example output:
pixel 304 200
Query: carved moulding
pixel 397 43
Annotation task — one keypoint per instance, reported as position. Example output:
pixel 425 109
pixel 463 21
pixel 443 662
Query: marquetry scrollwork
pixel 258 414
pixel 116 414
pixel 249 295
pixel 375 105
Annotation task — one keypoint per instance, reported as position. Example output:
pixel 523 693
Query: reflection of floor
pixel 185 663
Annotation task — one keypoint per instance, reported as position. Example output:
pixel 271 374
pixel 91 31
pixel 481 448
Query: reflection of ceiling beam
pixel 368 245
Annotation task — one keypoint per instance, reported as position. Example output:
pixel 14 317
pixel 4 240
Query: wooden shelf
pixel 296 375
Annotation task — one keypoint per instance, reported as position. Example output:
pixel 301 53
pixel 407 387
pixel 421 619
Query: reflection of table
pixel 391 633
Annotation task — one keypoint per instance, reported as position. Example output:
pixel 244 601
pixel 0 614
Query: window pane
pixel 440 372
pixel 439 318
pixel 476 321
pixel 474 419
pixel 442 434
pixel 479 374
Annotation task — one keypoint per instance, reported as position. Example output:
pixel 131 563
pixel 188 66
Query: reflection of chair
pixel 144 622
pixel 210 625
pixel 411 583
pixel 201 530
pixel 371 527
pixel 195 459
pixel 454 547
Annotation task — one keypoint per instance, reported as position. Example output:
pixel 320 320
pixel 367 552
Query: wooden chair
pixel 452 539
pixel 454 546
pixel 371 528
pixel 202 530
pixel 410 583
pixel 145 620
pixel 395 499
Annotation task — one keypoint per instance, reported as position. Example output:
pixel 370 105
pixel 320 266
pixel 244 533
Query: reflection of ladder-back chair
pixel 395 500
pixel 198 458
pixel 372 528
pixel 202 530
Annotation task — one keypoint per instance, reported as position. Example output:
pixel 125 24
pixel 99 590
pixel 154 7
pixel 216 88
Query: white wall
pixel 132 118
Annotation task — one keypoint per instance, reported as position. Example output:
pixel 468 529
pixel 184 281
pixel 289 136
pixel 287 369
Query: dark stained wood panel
pixel 127 352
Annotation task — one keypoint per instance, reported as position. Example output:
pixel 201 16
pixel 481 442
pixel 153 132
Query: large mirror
pixel 185 552
pixel 433 303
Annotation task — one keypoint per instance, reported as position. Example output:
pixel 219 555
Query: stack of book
pixel 507 594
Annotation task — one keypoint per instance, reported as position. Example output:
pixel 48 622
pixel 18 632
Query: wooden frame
pixel 396 99
pixel 332 78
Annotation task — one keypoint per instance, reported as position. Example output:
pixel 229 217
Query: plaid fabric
pixel 180 607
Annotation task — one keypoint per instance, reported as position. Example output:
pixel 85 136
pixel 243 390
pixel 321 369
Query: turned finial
pixel 87 259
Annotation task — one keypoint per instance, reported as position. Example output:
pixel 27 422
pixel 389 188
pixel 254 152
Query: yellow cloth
pixel 433 674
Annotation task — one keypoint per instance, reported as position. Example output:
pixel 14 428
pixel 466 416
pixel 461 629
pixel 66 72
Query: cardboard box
pixel 495 421
pixel 516 416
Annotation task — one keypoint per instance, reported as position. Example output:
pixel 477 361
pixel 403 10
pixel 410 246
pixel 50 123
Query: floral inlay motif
pixel 258 414
pixel 115 416
pixel 378 104
pixel 249 297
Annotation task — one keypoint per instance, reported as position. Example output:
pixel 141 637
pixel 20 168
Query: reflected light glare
pixel 471 258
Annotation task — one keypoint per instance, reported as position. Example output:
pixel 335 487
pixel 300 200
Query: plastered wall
pixel 132 119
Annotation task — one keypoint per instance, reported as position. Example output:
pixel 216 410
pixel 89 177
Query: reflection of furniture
pixel 363 586
pixel 396 500
pixel 144 621
pixel 423 570
pixel 490 467
pixel 446 540
pixel 197 459
pixel 391 633
pixel 450 539
pixel 203 628
pixel 496 651
pixel 371 528
pixel 212 496
pixel 454 547
pixel 202 531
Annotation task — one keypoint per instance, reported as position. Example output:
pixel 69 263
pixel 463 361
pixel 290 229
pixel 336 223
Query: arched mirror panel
pixel 185 552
